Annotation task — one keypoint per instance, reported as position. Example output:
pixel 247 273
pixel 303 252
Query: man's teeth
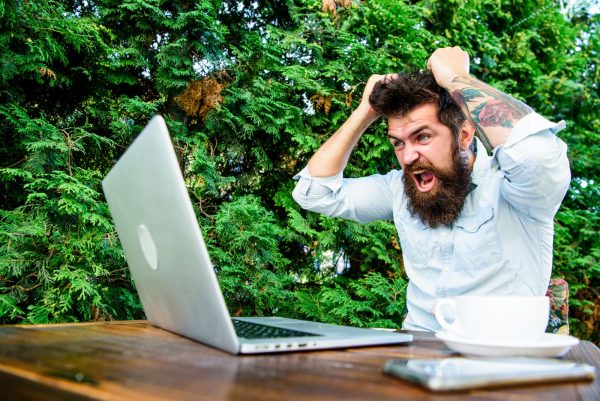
pixel 419 177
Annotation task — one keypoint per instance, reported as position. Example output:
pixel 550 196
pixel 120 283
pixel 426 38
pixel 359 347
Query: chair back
pixel 558 292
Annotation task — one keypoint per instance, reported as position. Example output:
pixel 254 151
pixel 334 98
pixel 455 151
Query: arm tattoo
pixel 487 106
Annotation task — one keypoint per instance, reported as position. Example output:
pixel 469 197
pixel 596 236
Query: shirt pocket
pixel 476 241
pixel 415 240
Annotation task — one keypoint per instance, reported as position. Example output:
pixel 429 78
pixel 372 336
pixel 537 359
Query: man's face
pixel 436 174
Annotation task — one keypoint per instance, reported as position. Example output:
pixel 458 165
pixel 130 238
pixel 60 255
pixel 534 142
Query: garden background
pixel 250 89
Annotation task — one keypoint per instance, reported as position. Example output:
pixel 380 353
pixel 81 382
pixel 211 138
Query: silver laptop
pixel 172 270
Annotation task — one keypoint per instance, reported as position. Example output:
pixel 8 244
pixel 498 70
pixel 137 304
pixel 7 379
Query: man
pixel 468 223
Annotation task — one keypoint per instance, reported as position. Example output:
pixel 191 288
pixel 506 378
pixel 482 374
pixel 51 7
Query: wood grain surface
pixel 135 361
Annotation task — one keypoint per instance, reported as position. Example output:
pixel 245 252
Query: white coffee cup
pixel 498 319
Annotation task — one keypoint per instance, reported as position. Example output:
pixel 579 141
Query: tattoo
pixel 487 106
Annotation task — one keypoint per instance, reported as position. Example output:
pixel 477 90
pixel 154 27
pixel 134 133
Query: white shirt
pixel 501 242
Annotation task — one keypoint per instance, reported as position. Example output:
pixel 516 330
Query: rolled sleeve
pixel 360 199
pixel 535 166
pixel 531 124
pixel 325 184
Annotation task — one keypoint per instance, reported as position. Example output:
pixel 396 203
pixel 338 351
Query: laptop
pixel 172 270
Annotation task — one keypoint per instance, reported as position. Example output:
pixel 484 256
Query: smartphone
pixel 451 374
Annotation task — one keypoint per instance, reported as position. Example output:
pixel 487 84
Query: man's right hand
pixel 373 79
pixel 333 155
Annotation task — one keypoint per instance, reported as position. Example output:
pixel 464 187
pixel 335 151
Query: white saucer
pixel 549 345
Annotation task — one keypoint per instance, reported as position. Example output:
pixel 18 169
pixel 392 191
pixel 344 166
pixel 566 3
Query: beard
pixel 443 204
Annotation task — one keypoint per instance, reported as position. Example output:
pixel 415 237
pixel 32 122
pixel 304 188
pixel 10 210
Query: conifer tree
pixel 250 90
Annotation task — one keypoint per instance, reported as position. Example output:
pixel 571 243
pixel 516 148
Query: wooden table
pixel 135 361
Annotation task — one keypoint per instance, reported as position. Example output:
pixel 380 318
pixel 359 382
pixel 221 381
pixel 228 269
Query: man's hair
pixel 398 95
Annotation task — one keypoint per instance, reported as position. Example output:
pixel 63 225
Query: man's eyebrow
pixel 412 133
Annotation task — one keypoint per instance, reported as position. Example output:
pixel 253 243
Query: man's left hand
pixel 447 63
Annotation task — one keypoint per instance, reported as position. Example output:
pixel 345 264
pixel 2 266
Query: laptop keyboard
pixel 251 330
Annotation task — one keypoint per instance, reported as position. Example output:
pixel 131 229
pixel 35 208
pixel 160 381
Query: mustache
pixel 421 166
pixel 409 168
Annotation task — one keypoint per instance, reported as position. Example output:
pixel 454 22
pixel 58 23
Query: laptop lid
pixel 169 261
pixel 153 215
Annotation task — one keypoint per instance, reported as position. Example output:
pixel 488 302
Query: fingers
pixel 373 80
pixel 453 55
pixel 447 63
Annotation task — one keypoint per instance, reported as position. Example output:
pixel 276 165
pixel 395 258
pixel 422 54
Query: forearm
pixel 493 113
pixel 333 155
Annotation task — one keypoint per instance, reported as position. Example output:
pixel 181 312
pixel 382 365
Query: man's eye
pixel 422 137
pixel 398 144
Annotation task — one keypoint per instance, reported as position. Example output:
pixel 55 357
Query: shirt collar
pixel 481 165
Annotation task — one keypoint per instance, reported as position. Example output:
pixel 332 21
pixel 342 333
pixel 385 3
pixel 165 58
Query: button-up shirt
pixel 501 242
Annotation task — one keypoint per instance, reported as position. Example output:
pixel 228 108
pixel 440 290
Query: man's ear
pixel 466 135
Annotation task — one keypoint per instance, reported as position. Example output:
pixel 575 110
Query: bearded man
pixel 468 223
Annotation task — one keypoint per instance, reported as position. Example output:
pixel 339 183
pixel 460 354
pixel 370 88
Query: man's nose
pixel 410 155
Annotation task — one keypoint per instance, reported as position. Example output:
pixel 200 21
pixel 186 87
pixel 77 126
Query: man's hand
pixel 364 102
pixel 373 79
pixel 448 63
pixel 494 113
pixel 333 155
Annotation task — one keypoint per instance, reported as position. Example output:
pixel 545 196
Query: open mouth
pixel 424 179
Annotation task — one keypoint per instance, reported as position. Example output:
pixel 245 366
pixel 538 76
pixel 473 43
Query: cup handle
pixel 441 318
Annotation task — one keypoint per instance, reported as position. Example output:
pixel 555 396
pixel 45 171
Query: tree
pixel 249 91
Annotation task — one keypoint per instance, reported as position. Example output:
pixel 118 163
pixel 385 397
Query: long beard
pixel 443 204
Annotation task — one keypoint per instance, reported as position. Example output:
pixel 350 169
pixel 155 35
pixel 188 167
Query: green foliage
pixel 371 301
pixel 252 270
pixel 59 257
pixel 250 90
